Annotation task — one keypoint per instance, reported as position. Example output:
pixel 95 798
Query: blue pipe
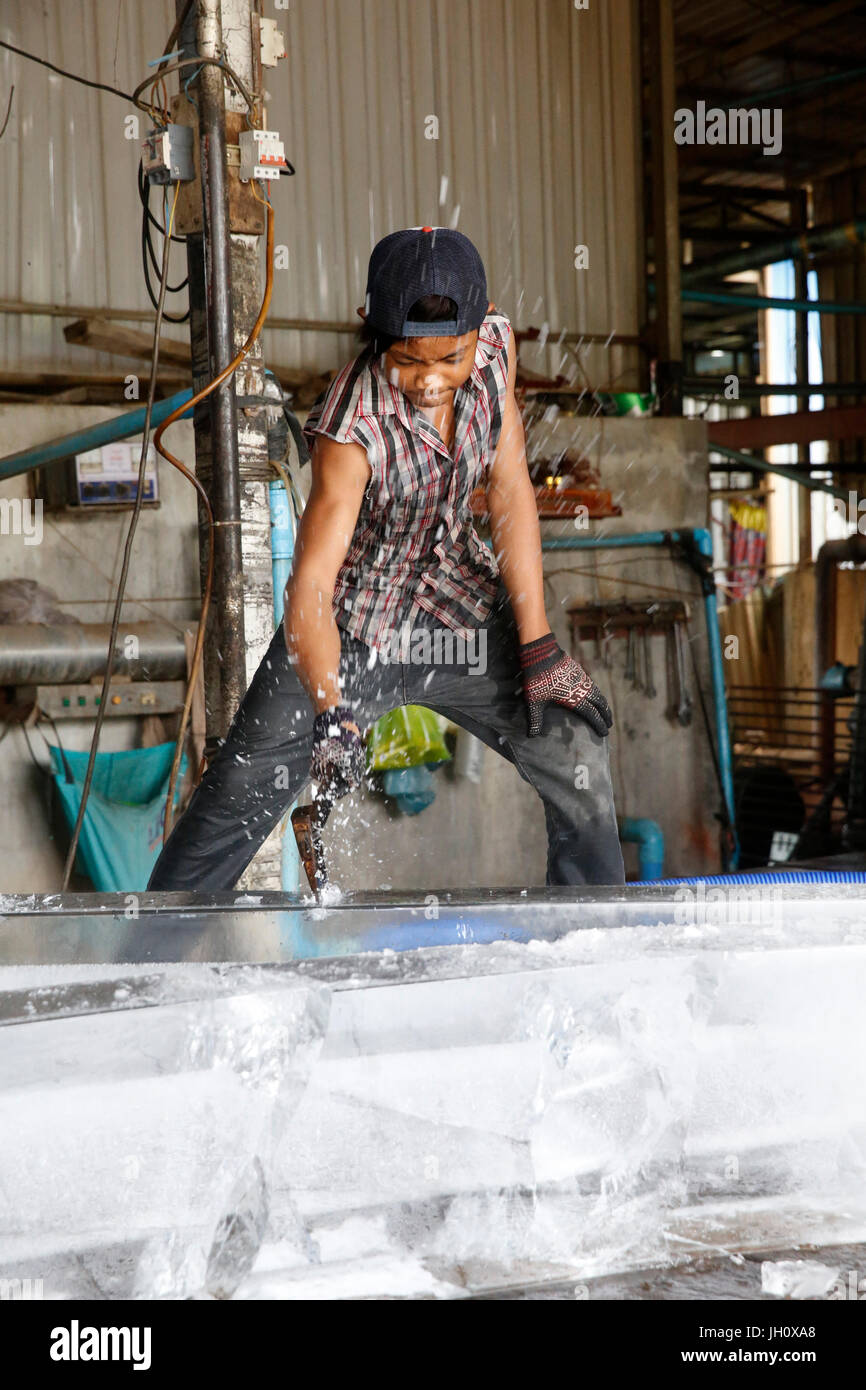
pixel 609 542
pixel 784 876
pixel 647 834
pixel 282 550
pixel 79 441
pixel 282 544
pixel 306 938
pixel 703 541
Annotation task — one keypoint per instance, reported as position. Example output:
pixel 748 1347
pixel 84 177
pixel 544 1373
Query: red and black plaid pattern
pixel 414 546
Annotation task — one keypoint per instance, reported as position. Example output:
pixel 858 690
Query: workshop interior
pixel 415 1066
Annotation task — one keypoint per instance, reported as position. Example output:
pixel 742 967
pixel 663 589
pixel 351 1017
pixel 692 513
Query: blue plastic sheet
pixel 121 836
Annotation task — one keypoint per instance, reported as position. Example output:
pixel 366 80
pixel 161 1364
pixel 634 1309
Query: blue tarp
pixel 122 832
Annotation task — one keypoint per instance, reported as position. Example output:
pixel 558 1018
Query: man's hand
pixel 338 762
pixel 551 676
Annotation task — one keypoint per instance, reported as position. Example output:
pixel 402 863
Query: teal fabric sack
pixel 411 787
pixel 122 832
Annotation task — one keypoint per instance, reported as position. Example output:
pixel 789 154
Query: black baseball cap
pixel 405 266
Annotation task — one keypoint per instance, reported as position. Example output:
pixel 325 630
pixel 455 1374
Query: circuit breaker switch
pixel 272 42
pixel 262 154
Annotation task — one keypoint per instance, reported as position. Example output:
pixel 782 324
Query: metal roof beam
pixel 764 37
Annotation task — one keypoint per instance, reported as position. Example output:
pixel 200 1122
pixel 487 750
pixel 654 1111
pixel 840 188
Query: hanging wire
pixel 148 255
pixel 127 555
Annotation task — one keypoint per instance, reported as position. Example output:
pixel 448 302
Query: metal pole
pixel 801 349
pixel 242 50
pixel 665 199
pixel 212 343
pixel 836 238
pixel 752 462
pixel 762 301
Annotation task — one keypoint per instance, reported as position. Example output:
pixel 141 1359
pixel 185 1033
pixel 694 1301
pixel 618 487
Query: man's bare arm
pixel 514 525
pixel 340 476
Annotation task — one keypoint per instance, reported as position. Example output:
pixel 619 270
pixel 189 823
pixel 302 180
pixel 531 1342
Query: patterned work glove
pixel 339 761
pixel 551 676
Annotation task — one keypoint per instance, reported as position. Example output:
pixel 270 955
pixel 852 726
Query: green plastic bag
pixel 407 737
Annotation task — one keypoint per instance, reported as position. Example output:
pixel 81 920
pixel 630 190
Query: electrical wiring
pixel 40 767
pixel 162 113
pixel 618 579
pixel 288 482
pixel 148 255
pixel 195 664
pixel 283 474
pixel 155 85
pixel 127 556
pixel 144 604
pixel 8 112
pixel 152 81
pixel 297 503
pixel 186 91
pixel 144 186
pixel 173 37
pixel 73 76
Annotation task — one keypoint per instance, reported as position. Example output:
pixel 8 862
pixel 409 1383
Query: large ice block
pixel 437 1121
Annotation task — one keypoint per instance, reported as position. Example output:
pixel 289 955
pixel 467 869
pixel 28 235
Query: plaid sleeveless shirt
pixel 414 553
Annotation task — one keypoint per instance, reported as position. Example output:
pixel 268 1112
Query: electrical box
pixel 166 154
pixel 98 480
pixel 110 474
pixel 262 154
pixel 124 698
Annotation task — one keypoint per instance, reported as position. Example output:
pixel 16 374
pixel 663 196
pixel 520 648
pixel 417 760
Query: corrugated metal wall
pixel 537 151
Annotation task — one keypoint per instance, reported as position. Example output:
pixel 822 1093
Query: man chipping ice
pixel 386 544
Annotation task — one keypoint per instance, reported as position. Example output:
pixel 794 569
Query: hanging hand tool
pixel 684 702
pixel 649 680
pixel 629 656
pixel 672 671
pixel 639 659
pixel 308 822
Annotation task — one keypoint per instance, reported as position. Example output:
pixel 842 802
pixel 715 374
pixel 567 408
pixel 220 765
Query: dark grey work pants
pixel 265 761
